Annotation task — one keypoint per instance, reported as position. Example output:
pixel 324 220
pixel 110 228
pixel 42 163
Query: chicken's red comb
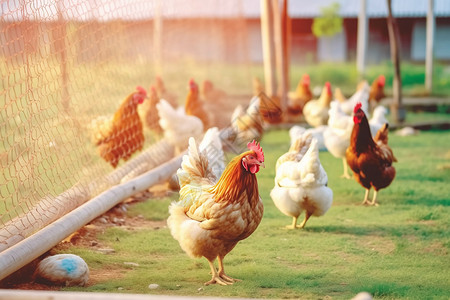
pixel 357 107
pixel 328 86
pixel 381 80
pixel 141 90
pixel 192 84
pixel 258 150
pixel 305 79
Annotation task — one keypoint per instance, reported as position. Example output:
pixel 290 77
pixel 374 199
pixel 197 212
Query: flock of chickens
pixel 219 204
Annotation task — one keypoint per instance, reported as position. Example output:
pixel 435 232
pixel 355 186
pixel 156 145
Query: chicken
pixel 337 134
pixel 316 111
pixel 209 93
pixel 62 269
pixel 378 119
pixel 214 214
pixel 247 124
pixel 370 159
pixel 301 182
pixel 377 90
pixel 124 134
pixel 194 107
pixel 163 93
pixel 298 99
pixel 270 108
pixel 178 126
pixel 361 95
pixel 296 131
pixel 149 113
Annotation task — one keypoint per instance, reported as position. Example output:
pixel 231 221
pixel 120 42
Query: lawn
pixel 398 250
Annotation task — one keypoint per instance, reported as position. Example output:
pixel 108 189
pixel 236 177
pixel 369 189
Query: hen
pixel 163 93
pixel 298 99
pixel 178 126
pixel 378 119
pixel 246 124
pixel 124 134
pixel 316 111
pixel 301 182
pixel 296 131
pixel 194 107
pixel 370 159
pixel 361 95
pixel 377 90
pixel 337 134
pixel 149 112
pixel 210 93
pixel 62 269
pixel 214 214
pixel 270 108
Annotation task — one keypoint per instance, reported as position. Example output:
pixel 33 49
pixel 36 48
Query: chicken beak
pixel 261 164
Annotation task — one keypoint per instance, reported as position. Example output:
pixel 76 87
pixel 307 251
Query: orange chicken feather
pixel 126 134
pixel 210 93
pixel 213 215
pixel 377 89
pixel 150 112
pixel 316 111
pixel 194 107
pixel 163 93
pixel 270 108
pixel 302 94
pixel 370 159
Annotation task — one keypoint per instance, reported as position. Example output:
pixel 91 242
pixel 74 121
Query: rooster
pixel 149 112
pixel 316 111
pixel 337 134
pixel 298 99
pixel 301 182
pixel 178 126
pixel 214 214
pixel 163 93
pixel 124 134
pixel 62 269
pixel 193 106
pixel 370 159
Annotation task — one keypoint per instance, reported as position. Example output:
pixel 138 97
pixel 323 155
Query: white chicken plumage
pixel 361 95
pixel 211 147
pixel 378 119
pixel 178 127
pixel 296 131
pixel 337 134
pixel 63 269
pixel 301 182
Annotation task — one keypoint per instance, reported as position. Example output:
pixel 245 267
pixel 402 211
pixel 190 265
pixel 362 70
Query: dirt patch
pixel 379 244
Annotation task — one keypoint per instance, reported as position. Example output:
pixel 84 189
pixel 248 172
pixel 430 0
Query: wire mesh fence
pixel 67 65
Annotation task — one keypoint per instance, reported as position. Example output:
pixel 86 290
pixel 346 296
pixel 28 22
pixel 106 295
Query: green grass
pixel 398 250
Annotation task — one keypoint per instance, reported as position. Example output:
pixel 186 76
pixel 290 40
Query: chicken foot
pixel 294 223
pixel 345 175
pixel 366 198
pixel 219 277
pixel 374 199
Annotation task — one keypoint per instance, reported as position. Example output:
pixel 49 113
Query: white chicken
pixel 63 269
pixel 296 131
pixel 378 119
pixel 361 95
pixel 301 182
pixel 316 111
pixel 337 134
pixel 177 126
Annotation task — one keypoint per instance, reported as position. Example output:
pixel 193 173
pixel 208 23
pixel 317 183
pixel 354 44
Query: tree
pixel 329 23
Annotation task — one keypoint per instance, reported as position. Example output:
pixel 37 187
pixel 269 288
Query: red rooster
pixel 370 159
pixel 298 99
pixel 213 215
pixel 125 134
pixel 377 89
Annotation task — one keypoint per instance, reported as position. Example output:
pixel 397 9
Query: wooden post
pixel 429 47
pixel 286 31
pixel 268 47
pixel 362 39
pixel 397 109
pixel 280 57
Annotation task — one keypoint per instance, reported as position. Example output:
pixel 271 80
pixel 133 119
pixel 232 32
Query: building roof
pixel 104 10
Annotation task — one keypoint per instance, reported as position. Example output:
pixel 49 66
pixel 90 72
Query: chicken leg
pixel 374 199
pixel 216 278
pixel 307 215
pixel 222 274
pixel 294 223
pixel 366 198
pixel 345 175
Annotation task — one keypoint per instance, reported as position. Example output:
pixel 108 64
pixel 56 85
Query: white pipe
pixel 32 247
